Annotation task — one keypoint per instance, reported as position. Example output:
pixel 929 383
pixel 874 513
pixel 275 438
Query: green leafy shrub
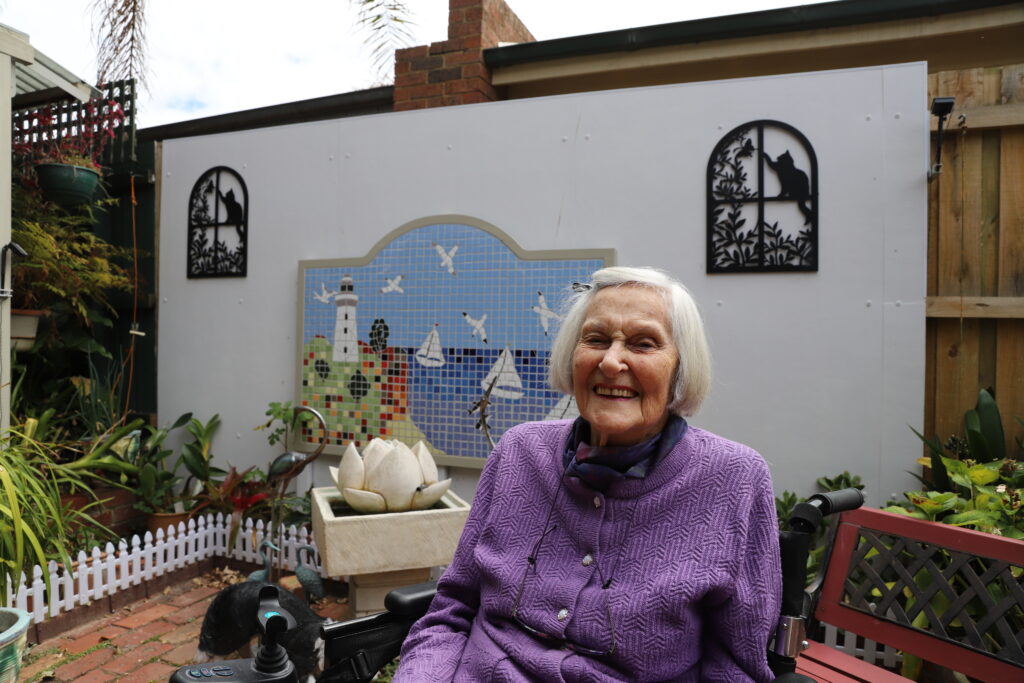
pixel 35 525
pixel 974 482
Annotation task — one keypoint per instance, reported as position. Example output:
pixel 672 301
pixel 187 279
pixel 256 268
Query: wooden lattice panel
pixel 949 595
pixel 959 597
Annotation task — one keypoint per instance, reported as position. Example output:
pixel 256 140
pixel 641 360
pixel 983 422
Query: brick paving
pixel 144 641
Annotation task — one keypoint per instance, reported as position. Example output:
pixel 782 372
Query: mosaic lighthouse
pixel 346 350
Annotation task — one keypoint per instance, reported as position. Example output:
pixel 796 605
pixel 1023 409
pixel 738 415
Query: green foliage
pixel 71 273
pixel 35 526
pixel 157 481
pixel 69 268
pixel 197 453
pixel 973 482
pixel 284 417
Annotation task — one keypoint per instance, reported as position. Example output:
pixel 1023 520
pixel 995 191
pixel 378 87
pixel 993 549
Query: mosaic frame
pixel 383 372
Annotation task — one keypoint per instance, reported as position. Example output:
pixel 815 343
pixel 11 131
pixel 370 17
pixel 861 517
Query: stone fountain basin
pixel 353 543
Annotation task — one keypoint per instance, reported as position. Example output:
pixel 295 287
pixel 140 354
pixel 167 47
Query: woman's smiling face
pixel 624 364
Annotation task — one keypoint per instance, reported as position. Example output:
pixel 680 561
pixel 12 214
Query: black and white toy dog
pixel 231 625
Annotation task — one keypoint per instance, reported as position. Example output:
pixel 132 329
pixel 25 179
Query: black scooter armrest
pixel 411 601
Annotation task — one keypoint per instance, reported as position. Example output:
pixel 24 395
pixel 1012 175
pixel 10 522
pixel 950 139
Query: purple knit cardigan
pixel 691 551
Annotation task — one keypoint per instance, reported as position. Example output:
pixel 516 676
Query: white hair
pixel 693 373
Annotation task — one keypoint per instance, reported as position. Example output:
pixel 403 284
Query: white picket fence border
pixel 102 573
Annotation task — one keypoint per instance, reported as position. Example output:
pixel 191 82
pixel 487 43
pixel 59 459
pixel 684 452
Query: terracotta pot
pixel 163 520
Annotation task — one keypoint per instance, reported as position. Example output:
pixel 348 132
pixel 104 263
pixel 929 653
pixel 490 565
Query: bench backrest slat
pixel 972 625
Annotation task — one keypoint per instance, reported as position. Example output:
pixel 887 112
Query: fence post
pixel 55 596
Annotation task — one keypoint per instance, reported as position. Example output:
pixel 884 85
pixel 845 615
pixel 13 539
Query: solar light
pixel 941 107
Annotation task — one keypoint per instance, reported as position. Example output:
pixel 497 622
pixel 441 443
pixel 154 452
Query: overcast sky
pixel 210 57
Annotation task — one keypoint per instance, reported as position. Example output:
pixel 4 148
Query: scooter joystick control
pixel 271 664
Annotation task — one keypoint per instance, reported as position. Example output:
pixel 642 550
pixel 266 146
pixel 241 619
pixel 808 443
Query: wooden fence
pixel 101 573
pixel 975 305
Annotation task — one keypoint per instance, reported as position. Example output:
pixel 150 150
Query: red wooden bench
pixel 887 571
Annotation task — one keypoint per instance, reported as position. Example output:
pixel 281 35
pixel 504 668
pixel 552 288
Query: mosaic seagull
pixel 392 285
pixel 477 325
pixel 545 313
pixel 446 257
pixel 324 296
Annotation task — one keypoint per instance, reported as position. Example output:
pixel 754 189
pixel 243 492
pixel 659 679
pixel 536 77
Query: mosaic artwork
pixel 762 201
pixel 442 335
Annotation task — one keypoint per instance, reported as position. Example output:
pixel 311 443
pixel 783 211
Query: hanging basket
pixel 14 625
pixel 67 185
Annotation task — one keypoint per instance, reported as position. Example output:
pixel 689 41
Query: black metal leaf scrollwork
pixel 744 234
pixel 218 225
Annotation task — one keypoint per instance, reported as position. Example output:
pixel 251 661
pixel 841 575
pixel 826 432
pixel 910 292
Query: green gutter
pixel 767 22
pixel 358 103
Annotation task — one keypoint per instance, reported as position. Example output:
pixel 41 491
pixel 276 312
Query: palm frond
pixel 119 29
pixel 385 25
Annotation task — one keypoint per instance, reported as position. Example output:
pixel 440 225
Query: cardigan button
pixel 562 614
pixel 588 560
pixel 597 501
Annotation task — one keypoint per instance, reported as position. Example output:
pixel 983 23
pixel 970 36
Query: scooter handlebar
pixel 839 501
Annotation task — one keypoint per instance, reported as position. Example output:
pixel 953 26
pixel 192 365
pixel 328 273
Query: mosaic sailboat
pixel 565 409
pixel 430 354
pixel 508 384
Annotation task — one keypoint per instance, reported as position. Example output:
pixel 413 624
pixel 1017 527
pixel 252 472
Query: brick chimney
pixel 452 71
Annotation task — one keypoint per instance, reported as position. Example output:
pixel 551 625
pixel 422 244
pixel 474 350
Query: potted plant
pixel 158 483
pixel 35 526
pixel 14 625
pixel 67 164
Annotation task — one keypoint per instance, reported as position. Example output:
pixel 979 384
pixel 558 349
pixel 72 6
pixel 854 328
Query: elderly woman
pixel 625 545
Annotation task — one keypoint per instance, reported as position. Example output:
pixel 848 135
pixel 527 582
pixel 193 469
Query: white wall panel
pixel 820 372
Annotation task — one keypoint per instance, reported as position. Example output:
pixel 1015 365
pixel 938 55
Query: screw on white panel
pixel 565 138
pixel 348 155
pixel 165 299
pixel 867 303
pixel 587 136
pixel 868 117
pixel 719 303
pixel 241 300
pixel 898 304
pixel 719 126
pixel 238 435
pixel 245 165
pixel 896 115
pixel 168 174
pixel 449 148
pixel 330 157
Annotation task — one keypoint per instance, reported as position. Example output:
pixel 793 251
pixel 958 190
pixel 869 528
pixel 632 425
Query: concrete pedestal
pixel 366 592
pixel 384 551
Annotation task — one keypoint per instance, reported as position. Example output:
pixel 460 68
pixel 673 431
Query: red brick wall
pixel 452 71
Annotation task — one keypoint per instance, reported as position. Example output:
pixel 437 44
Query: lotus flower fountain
pixel 389 477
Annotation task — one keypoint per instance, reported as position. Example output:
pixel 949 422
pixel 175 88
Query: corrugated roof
pixel 42 79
